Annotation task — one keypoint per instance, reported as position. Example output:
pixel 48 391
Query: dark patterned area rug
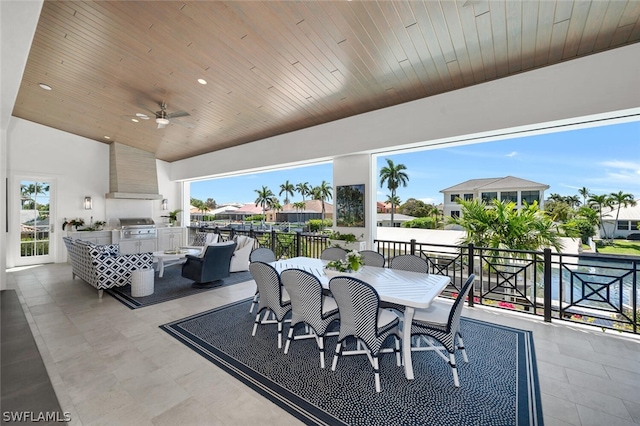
pixel 499 385
pixel 171 286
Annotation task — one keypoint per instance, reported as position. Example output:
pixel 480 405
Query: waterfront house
pixel 627 225
pixel 508 188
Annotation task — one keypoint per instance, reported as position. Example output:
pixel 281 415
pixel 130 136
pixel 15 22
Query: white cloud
pixel 512 154
pixel 623 165
pixel 429 200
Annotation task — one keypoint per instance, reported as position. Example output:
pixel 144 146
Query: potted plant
pixel 72 223
pixel 173 216
pixel 346 241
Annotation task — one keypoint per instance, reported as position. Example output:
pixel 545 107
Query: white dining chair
pixel 441 323
pixel 273 297
pixel 308 307
pixel 261 254
pixel 362 318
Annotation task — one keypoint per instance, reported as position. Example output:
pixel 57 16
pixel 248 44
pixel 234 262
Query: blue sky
pixel 604 159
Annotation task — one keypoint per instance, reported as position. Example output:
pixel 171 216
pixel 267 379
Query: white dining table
pixel 414 290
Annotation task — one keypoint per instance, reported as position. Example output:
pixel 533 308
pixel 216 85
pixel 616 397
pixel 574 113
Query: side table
pixel 142 282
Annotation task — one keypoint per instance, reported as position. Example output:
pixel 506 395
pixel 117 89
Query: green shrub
pixel 421 222
pixel 316 225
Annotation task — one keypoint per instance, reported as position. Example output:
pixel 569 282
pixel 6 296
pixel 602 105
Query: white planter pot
pixel 358 245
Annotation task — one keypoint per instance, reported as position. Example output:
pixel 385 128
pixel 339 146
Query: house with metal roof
pixel 508 188
pixel 627 224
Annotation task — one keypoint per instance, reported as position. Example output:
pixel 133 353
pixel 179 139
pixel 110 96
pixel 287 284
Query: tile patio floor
pixel 113 366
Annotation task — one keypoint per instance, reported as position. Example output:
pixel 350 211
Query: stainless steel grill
pixel 137 228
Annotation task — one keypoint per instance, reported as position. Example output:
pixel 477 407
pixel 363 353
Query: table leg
pixel 160 267
pixel 406 342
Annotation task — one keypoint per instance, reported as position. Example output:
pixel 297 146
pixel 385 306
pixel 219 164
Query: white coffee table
pixel 172 257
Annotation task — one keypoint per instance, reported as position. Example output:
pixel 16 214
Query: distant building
pixel 384 219
pixel 312 210
pixel 628 221
pixel 383 207
pixel 507 188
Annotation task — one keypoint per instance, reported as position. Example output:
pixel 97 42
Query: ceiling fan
pixel 163 118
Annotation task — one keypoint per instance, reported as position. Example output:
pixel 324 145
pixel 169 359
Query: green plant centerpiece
pixel 352 263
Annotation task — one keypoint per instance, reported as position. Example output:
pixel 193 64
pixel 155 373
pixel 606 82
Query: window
pixel 530 196
pixel 454 197
pixel 468 197
pixel 487 197
pixel 455 213
pixel 509 196
pixel 623 225
pixel 634 225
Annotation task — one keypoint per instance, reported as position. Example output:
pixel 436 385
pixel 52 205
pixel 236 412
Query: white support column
pixel 356 170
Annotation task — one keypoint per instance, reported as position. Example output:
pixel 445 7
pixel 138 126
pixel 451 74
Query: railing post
pixel 470 270
pixel 547 285
pixel 298 244
pixel 413 246
pixel 273 240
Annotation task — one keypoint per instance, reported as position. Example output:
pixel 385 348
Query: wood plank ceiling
pixel 273 67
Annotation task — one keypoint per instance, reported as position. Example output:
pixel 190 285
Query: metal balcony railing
pixel 591 289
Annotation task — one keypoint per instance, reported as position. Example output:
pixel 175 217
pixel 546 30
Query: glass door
pixel 35 227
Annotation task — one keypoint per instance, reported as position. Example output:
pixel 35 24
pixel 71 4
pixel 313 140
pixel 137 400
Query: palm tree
pixel 584 191
pixel 299 205
pixel 556 197
pixel 322 192
pixel 572 200
pixel 266 199
pixel 394 176
pixel 598 203
pixel 303 189
pixel 393 200
pixel 200 205
pixel 622 200
pixel 288 189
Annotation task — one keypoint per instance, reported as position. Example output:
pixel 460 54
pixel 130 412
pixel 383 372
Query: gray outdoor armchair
pixel 213 266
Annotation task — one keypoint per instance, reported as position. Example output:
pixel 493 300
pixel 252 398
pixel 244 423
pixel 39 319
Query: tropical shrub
pixel 316 225
pixel 421 222
pixel 500 225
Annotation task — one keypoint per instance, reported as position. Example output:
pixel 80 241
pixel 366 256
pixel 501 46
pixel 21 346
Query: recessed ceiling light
pixel 44 86
pixel 202 81
pixel 143 116
pixel 107 137
pixel 135 120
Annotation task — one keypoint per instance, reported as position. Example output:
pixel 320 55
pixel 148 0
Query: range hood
pixel 132 174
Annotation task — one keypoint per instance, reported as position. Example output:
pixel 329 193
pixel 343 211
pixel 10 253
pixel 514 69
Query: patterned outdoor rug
pixel 499 385
pixel 171 286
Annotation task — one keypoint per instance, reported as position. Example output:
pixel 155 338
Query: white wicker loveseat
pixel 103 266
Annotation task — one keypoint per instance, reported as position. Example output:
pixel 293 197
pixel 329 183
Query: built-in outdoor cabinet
pixel 138 246
pixel 170 238
pixel 96 237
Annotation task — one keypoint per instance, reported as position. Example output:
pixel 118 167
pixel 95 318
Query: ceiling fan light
pixel 162 121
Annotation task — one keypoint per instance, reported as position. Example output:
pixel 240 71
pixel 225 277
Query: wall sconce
pixel 165 204
pixel 88 203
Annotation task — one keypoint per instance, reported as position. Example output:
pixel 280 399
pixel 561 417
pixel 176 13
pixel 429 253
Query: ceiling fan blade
pixel 178 114
pixel 183 124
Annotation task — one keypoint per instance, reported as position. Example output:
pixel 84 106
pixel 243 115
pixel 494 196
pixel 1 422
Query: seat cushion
pixel 385 317
pixel 328 305
pixel 285 296
pixel 436 314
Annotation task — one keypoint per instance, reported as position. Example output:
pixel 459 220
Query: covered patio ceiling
pixel 274 67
